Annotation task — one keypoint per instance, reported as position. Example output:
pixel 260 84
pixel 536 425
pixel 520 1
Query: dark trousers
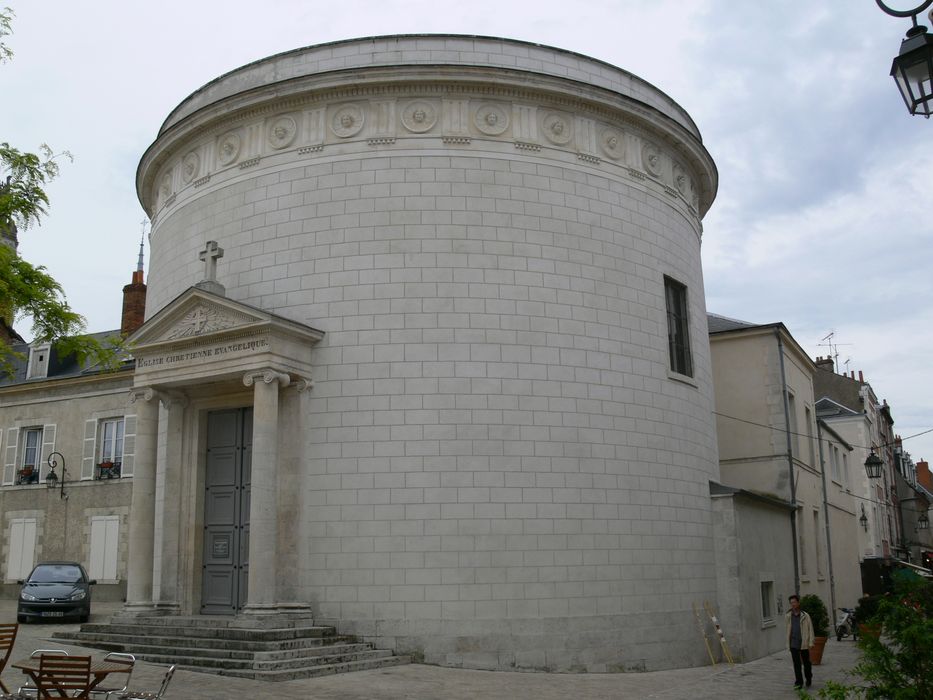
pixel 798 655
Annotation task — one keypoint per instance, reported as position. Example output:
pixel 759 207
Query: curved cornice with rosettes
pixel 164 171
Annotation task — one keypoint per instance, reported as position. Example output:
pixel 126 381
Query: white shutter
pixel 129 445
pixel 90 446
pixel 9 462
pixel 105 539
pixel 48 447
pixel 22 548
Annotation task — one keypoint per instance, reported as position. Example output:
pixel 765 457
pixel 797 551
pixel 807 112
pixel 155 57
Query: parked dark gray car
pixel 55 589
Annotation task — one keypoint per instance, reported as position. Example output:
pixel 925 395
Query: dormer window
pixel 38 367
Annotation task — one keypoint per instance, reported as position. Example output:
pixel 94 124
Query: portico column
pixel 169 513
pixel 142 512
pixel 263 510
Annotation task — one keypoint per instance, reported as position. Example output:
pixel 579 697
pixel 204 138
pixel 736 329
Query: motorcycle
pixel 846 625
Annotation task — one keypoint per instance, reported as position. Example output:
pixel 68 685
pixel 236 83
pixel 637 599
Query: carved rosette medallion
pixel 611 142
pixel 557 128
pixel 228 148
pixel 190 167
pixel 419 116
pixel 491 119
pixel 165 187
pixel 282 132
pixel 202 319
pixel 347 121
pixel 651 159
pixel 681 180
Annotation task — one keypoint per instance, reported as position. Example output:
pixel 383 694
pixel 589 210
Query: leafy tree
pixel 27 290
pixel 897 663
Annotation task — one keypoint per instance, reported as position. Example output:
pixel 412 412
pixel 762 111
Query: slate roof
pixel 722 324
pixel 840 389
pixel 59 367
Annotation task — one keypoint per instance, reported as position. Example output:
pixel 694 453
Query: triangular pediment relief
pixel 197 315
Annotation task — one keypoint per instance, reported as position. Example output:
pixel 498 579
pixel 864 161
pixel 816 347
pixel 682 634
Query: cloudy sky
pixel 822 220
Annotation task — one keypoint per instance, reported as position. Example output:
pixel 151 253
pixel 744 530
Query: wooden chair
pixel 29 690
pixel 64 676
pixel 143 695
pixel 7 639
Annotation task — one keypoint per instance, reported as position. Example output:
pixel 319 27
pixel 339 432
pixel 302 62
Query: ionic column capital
pixel 173 398
pixel 146 393
pixel 267 376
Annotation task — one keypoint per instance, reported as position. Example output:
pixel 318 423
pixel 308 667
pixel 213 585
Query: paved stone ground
pixel 768 678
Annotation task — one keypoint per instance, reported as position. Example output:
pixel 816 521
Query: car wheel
pixel 22 618
pixel 84 618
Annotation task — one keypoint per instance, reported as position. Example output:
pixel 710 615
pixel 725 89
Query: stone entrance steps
pixel 296 649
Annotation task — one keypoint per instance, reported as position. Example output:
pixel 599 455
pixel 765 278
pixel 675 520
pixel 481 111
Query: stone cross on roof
pixel 209 255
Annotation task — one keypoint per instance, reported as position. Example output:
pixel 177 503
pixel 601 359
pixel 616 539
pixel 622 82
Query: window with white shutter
pixel 105 540
pixel 22 553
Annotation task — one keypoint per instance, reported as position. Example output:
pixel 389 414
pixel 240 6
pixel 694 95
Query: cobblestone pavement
pixel 767 678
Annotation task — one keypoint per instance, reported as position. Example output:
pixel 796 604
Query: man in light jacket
pixel 799 640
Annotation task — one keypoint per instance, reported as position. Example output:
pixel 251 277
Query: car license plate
pixel 53 613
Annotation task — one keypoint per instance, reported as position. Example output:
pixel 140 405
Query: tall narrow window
pixel 816 541
pixel 767 596
pixel 111 440
pixel 809 418
pixel 801 549
pixel 678 327
pixel 794 430
pixel 28 471
pixel 833 459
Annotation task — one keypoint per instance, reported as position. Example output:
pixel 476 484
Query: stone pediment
pixel 196 316
pixel 201 336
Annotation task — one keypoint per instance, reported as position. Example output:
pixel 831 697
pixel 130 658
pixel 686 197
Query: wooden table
pixel 99 670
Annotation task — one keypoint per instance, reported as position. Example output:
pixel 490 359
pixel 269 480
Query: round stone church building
pixel 425 355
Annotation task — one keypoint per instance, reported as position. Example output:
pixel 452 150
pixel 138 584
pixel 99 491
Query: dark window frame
pixel 678 327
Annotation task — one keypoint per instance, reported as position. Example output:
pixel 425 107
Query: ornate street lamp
pixel 874 464
pixel 51 479
pixel 912 69
pixel 864 519
pixel 923 522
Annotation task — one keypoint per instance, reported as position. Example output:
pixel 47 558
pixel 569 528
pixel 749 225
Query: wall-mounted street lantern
pixel 864 519
pixel 52 479
pixel 874 464
pixel 912 69
pixel 923 522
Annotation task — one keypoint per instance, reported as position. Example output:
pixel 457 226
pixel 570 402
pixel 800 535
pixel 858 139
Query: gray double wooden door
pixel 226 511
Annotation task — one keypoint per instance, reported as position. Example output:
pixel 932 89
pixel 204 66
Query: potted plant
pixel 866 609
pixel 816 609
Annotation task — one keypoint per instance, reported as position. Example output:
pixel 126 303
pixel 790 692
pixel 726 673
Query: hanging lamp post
pixel 912 68
pixel 874 464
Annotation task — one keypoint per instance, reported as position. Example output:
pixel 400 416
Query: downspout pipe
pixel 790 462
pixel 829 539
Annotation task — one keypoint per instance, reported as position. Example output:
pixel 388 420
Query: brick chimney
pixel 134 299
pixel 923 475
pixel 825 363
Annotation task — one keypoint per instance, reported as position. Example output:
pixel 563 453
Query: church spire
pixel 134 294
